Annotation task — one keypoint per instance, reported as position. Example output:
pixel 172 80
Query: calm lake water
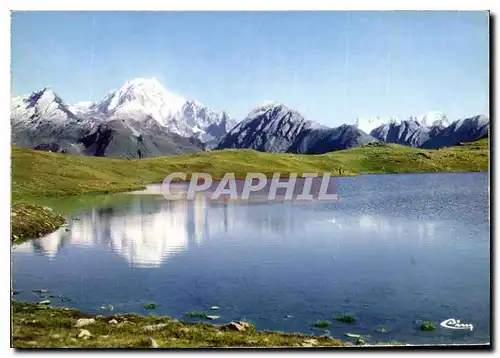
pixel 396 249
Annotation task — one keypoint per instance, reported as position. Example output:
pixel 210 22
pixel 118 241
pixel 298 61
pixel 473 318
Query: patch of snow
pixel 367 124
pixel 81 107
pixel 429 119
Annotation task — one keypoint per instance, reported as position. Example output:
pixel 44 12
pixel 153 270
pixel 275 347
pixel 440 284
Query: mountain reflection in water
pixel 147 232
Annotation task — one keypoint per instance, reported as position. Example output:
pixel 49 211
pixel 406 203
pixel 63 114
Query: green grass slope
pixel 28 221
pixel 393 158
pixel 39 173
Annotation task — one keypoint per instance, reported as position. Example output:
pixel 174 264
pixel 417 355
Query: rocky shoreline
pixel 41 326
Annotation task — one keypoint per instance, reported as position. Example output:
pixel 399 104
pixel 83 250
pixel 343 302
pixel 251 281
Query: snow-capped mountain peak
pixel 142 96
pixel 143 99
pixel 40 104
pixel 270 103
pixel 433 118
pixel 266 106
pixel 367 124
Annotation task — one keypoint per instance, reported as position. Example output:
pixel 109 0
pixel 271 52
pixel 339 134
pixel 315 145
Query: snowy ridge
pixel 81 107
pixel 140 119
pixel 145 98
pixel 429 119
pixel 41 104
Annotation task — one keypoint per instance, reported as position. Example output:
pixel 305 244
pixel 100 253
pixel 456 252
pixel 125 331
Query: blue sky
pixel 331 66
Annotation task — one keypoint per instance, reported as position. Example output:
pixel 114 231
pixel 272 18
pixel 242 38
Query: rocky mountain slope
pixel 463 130
pixel 274 127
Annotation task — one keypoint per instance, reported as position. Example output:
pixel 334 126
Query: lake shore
pixel 40 326
pixel 37 174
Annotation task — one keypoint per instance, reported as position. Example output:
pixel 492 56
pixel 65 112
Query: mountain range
pixel 140 119
pixel 143 119
pixel 273 127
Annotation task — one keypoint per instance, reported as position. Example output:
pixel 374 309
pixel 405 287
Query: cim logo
pixel 455 324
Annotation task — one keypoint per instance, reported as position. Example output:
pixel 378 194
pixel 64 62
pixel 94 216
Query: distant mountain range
pixel 431 131
pixel 143 119
pixel 273 127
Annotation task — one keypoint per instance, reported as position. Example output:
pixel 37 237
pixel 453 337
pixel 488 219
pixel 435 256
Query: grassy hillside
pixel 393 158
pixel 38 173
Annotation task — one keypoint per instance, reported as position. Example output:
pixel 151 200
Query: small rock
pixel 84 322
pixel 360 342
pixel 113 321
pixel 56 336
pixel 104 337
pixel 73 339
pixel 150 306
pixel 214 308
pixel 184 329
pixel 311 341
pixel 84 334
pixel 154 327
pixel 99 316
pixel 41 291
pixel 352 335
pixel 108 307
pixel 212 317
pixel 152 343
pixel 239 326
